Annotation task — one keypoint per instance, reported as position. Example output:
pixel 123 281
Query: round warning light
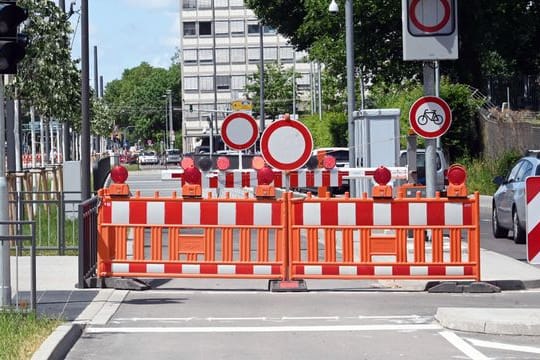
pixel 382 175
pixel 223 163
pixel 457 174
pixel 257 163
pixel 192 175
pixel 312 163
pixel 205 163
pixel 119 174
pixel 187 162
pixel 265 176
pixel 329 162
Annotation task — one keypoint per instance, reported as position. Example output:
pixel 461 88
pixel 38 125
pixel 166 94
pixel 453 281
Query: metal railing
pixel 88 222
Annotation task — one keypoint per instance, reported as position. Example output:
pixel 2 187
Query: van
pixel 441 167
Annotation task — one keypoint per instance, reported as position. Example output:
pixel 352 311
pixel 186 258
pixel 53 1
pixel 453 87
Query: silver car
pixel 508 208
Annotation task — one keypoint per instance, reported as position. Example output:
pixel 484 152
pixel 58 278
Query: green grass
pixel 21 334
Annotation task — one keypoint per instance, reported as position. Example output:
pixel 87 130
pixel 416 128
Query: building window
pixel 270 53
pixel 223 82
pixel 222 56
pixel 205 56
pixel 205 4
pixel 269 30
pixel 254 54
pixel 189 29
pixel 191 83
pixel 238 82
pixel 236 3
pixel 205 28
pixel 222 28
pixel 286 53
pixel 189 4
pixel 238 55
pixel 221 3
pixel 190 56
pixel 206 83
pixel 253 29
pixel 303 81
pixel 237 27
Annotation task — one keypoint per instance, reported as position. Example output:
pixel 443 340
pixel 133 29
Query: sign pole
pixel 430 88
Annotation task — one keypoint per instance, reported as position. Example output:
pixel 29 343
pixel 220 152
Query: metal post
pixel 261 79
pixel 431 144
pixel 5 269
pixel 85 105
pixel 216 127
pixel 171 130
pixel 349 45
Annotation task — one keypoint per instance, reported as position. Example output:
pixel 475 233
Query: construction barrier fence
pixel 288 238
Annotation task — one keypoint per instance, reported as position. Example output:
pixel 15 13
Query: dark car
pixel 508 208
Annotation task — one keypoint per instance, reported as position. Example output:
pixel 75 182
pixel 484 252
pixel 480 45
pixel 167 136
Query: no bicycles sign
pixel 430 117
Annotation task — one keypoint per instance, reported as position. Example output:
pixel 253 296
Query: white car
pixel 148 157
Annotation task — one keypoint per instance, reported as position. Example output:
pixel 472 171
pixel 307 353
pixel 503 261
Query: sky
pixel 126 33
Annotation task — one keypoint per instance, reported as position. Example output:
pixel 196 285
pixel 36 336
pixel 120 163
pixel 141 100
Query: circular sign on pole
pixel 286 145
pixel 239 131
pixel 430 17
pixel 430 117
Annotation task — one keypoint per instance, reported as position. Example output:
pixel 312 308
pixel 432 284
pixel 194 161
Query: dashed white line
pixel 462 345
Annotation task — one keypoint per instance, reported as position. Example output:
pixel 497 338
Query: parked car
pixel 341 154
pixel 172 156
pixel 508 208
pixel 148 157
pixel 440 163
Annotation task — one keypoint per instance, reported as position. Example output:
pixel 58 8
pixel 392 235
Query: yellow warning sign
pixel 242 105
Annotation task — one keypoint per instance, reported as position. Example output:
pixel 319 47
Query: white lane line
pixel 462 345
pixel 274 318
pixel 263 318
pixel 502 346
pixel 261 329
pixel 310 318
pixel 136 319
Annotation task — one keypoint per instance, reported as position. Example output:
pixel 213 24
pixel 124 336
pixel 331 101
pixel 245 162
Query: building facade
pixel 221 47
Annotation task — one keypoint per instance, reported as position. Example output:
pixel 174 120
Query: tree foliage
pixel 47 77
pixel 278 89
pixel 329 131
pixel 508 29
pixel 139 100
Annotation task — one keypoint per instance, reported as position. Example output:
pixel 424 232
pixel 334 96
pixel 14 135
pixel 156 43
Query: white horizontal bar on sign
pixel 168 174
pixel 356 173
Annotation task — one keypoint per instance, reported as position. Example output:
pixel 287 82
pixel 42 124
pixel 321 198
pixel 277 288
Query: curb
pixel 58 344
pixel 496 321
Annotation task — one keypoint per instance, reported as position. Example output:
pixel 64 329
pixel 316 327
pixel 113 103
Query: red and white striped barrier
pixel 171 269
pixel 532 191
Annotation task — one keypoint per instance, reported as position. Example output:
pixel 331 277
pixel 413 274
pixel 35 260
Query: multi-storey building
pixel 221 46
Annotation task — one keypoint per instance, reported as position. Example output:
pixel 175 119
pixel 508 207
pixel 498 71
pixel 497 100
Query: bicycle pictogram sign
pixel 430 117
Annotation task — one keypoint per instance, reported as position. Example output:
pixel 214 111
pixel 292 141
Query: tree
pixel 137 99
pixel 47 77
pixel 509 28
pixel 278 90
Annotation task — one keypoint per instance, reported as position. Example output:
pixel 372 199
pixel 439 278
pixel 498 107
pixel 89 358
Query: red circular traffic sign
pixel 439 22
pixel 430 117
pixel 239 131
pixel 286 145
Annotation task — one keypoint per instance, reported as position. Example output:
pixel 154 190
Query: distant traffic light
pixel 12 45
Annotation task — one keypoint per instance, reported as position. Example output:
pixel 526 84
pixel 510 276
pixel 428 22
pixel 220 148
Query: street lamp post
pixel 349 47
pixel 171 130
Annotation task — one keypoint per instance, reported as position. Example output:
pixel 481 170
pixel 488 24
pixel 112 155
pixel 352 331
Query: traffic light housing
pixel 12 45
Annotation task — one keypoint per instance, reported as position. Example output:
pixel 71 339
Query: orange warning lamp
pixel 382 177
pixel 119 175
pixel 192 182
pixel 265 176
pixel 258 162
pixel 223 163
pixel 457 175
pixel 329 162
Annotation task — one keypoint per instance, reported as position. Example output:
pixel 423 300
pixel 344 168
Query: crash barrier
pixel 288 239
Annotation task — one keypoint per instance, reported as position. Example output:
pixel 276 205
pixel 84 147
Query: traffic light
pixel 12 46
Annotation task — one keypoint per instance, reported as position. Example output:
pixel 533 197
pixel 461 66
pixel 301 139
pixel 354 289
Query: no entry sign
pixel 532 191
pixel 430 117
pixel 286 145
pixel 239 131
pixel 430 17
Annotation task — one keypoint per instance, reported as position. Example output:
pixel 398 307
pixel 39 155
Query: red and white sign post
pixel 286 145
pixel 430 117
pixel 532 192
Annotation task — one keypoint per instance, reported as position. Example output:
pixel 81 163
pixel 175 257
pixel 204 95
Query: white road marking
pixel 462 346
pixel 501 346
pixel 274 318
pixel 261 329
